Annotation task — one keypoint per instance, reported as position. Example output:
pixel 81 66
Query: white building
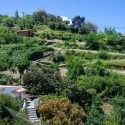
pixel 14 91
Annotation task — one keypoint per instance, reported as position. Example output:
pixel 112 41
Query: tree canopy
pixel 41 80
pixel 8 21
pixel 61 111
pixel 8 101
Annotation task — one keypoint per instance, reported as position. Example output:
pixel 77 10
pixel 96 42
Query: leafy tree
pixel 7 37
pixel 67 22
pixel 41 80
pixel 77 22
pixel 1 17
pixel 53 18
pixel 29 21
pixel 87 28
pixel 8 21
pixel 74 66
pixel 61 26
pixel 52 25
pixel 112 40
pixel 58 26
pixel 26 22
pixel 5 62
pixel 21 23
pixel 92 41
pixel 76 93
pixel 8 101
pixel 22 65
pixel 61 111
pixel 79 94
pixel 59 18
pixel 110 31
pixel 39 15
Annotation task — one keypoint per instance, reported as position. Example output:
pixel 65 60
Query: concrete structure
pixel 27 33
pixel 31 108
pixel 14 91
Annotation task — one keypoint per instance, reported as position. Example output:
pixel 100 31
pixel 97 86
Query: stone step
pixel 29 114
pixel 36 120
pixel 33 116
pixel 31 109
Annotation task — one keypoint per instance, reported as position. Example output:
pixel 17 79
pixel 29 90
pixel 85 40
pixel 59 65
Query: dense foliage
pixel 61 111
pixel 74 66
pixel 8 101
pixel 56 46
pixel 43 78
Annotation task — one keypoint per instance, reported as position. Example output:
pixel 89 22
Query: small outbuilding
pixel 14 91
pixel 27 33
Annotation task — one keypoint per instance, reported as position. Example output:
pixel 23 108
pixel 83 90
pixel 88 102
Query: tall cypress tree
pixel 16 16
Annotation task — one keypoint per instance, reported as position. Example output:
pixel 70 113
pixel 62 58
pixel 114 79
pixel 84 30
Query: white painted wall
pixel 10 91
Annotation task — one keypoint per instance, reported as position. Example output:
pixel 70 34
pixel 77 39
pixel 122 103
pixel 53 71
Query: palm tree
pixel 22 65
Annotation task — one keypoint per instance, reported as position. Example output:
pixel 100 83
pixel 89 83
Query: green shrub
pixel 5 62
pixel 9 101
pixel 41 42
pixel 92 41
pixel 58 58
pixel 116 64
pixel 55 66
pixel 104 55
pixel 74 66
pixel 3 81
pixel 117 116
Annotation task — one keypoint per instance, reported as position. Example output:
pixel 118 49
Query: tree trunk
pixel 21 74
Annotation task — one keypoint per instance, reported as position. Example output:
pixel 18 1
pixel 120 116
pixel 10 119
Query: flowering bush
pixel 61 111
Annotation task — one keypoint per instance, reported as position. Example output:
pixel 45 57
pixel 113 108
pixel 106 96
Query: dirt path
pixel 63 72
pixel 53 42
pixel 122 72
pixel 96 51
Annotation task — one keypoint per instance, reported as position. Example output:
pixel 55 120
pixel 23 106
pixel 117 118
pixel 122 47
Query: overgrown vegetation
pixel 91 93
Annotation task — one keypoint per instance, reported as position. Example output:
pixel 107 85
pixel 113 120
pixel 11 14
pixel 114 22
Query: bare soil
pixel 63 72
pixel 8 73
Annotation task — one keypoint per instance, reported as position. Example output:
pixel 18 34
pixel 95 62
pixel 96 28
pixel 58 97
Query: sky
pixel 103 13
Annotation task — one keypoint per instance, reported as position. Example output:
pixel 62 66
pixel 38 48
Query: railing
pixel 36 102
pixel 24 105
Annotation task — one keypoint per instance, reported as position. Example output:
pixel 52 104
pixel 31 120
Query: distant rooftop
pixel 24 30
pixel 21 90
pixel 7 86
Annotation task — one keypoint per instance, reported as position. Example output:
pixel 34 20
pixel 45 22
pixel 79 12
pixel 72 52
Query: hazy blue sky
pixel 101 12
